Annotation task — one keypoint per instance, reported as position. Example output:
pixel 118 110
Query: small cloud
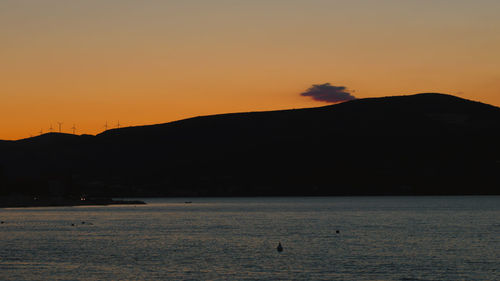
pixel 328 93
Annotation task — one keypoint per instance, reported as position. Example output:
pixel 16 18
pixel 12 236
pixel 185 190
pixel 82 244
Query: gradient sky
pixel 142 62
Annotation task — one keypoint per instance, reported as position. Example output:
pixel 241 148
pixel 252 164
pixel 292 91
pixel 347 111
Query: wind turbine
pixel 118 125
pixel 106 126
pixel 73 128
pixel 60 124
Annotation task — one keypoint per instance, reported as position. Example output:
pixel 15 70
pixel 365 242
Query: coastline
pixel 63 202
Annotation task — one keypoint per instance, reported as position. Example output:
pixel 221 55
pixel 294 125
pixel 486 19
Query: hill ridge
pixel 418 144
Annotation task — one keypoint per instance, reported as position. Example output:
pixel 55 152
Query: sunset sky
pixel 88 62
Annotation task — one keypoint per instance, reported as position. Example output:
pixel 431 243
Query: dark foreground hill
pixel 420 144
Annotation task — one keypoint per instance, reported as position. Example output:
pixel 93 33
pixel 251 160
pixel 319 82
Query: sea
pixel 323 238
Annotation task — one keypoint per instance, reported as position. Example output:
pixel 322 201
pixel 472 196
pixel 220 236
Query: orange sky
pixel 143 62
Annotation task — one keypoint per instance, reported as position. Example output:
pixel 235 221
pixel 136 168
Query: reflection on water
pixel 380 238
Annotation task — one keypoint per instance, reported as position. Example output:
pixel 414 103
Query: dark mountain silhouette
pixel 419 144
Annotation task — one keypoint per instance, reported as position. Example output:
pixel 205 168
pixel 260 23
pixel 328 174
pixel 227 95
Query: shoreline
pixel 61 202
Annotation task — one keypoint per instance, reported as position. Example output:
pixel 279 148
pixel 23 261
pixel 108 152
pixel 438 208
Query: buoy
pixel 83 222
pixel 72 224
pixel 337 231
pixel 279 248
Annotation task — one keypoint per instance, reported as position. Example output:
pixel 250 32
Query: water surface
pixel 380 238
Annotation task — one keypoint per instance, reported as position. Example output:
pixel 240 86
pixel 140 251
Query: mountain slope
pixel 420 144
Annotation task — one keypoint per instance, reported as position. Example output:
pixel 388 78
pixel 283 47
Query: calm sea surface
pixel 380 238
